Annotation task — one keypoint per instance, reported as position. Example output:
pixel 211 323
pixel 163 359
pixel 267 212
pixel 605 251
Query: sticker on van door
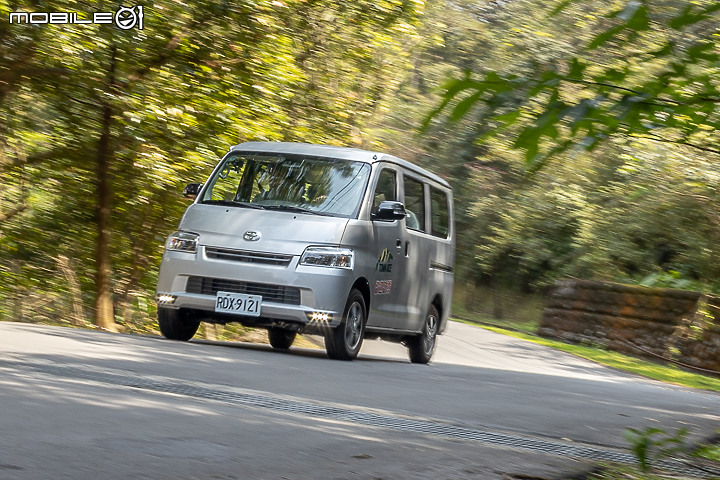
pixel 384 263
pixel 382 287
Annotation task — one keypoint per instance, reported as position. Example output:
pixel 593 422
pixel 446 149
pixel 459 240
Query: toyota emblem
pixel 252 236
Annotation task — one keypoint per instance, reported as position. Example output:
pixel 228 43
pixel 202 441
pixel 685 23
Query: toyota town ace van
pixel 340 242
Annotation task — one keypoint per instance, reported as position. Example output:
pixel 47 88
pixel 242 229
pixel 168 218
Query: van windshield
pixel 296 183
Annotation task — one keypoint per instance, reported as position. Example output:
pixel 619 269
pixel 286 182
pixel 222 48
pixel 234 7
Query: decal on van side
pixel 384 263
pixel 382 287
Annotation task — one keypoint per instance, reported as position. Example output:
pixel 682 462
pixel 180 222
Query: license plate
pixel 238 303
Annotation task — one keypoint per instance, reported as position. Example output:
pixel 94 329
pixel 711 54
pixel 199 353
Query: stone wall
pixel 679 325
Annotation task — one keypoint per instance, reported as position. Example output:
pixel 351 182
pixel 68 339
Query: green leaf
pixel 639 20
pixel 685 18
pixel 666 50
pixel 528 140
pixel 493 81
pixel 548 79
pixel 635 17
pixel 508 118
pixel 613 75
pixel 465 105
pixel 560 7
pixel 700 51
pixel 538 161
pixel 577 113
pixel 605 36
pixel 576 69
pixel 688 18
pixel 452 87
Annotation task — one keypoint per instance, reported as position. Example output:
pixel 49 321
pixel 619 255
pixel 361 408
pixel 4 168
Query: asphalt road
pixel 91 405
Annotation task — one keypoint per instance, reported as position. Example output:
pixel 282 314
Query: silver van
pixel 340 242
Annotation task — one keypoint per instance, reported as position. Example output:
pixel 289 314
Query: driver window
pixel 386 188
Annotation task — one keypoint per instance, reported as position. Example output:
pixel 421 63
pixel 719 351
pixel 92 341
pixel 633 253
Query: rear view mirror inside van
pixel 390 210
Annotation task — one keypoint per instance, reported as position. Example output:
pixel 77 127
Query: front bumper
pixel 318 295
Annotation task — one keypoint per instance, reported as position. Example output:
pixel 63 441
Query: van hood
pixel 278 231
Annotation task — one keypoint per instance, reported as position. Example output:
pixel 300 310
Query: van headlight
pixel 183 242
pixel 328 257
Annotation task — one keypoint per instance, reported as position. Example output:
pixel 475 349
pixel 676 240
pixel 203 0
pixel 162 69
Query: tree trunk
pixel 104 316
pixel 78 318
pixel 18 293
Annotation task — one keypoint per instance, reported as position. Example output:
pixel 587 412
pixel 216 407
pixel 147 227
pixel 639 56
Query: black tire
pixel 421 347
pixel 177 325
pixel 344 341
pixel 281 339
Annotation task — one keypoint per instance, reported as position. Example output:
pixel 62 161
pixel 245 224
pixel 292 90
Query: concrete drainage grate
pixel 279 404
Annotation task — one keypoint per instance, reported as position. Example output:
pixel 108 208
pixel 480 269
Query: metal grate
pixel 270 293
pixel 245 256
pixel 268 401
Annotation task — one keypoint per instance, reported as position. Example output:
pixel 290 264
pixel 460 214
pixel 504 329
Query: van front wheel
pixel 422 346
pixel 176 325
pixel 344 341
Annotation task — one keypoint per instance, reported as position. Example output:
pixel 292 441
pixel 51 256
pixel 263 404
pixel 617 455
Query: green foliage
pixel 159 106
pixel 480 304
pixel 671 279
pixel 648 74
pixel 652 444
pixel 622 95
pixel 710 452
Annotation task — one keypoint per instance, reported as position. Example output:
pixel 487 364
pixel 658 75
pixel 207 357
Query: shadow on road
pixel 584 407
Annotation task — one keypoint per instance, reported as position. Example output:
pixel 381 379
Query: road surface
pixel 91 405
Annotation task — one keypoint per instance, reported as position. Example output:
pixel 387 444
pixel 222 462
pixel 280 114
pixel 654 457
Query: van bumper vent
pixel 271 293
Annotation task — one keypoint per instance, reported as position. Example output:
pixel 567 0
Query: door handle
pixel 407 246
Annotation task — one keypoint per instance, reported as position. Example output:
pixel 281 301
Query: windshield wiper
pixel 291 208
pixel 250 205
pixel 232 203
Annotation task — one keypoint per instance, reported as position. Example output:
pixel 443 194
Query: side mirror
pixel 191 190
pixel 389 210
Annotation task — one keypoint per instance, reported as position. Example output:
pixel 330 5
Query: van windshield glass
pixel 295 183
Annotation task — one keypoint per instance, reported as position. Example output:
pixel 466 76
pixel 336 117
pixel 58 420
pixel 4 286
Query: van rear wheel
pixel 176 324
pixel 344 341
pixel 422 346
pixel 281 339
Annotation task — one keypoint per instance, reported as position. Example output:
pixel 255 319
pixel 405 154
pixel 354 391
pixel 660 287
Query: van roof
pixel 345 153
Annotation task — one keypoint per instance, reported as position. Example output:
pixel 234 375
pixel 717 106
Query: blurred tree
pixel 101 127
pixel 651 73
pixel 115 121
pixel 546 84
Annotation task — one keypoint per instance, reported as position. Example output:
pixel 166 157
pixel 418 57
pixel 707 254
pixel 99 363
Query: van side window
pixel 414 204
pixel 385 189
pixel 439 212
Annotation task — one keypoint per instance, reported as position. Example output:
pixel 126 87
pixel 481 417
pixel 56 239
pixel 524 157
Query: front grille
pixel 245 256
pixel 271 293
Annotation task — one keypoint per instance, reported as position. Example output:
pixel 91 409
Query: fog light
pixel 320 317
pixel 166 299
